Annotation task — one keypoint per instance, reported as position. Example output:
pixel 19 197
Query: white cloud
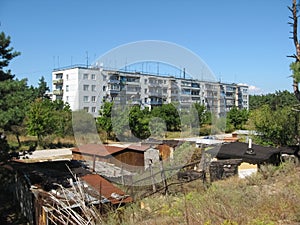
pixel 253 90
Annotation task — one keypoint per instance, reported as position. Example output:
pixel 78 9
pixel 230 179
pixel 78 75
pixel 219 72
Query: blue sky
pixel 242 41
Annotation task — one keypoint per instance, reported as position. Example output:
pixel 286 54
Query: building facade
pixel 86 89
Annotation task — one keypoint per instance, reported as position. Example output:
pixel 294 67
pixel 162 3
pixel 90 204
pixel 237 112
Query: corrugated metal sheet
pixel 97 149
pixel 107 189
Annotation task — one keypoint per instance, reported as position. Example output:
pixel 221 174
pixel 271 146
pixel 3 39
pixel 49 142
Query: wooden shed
pixel 128 156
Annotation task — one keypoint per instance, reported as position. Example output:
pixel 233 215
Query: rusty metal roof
pixel 97 149
pixel 48 175
pixel 107 189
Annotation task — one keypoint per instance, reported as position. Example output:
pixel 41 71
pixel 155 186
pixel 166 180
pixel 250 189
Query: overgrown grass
pixel 270 197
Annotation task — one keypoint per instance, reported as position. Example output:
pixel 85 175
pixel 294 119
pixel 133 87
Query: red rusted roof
pixel 106 188
pixel 97 149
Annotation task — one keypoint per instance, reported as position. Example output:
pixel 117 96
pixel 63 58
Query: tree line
pixel 26 110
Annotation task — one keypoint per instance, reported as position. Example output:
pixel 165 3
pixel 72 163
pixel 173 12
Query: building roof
pixel 141 148
pixel 47 176
pixel 238 150
pixel 45 155
pixel 107 189
pixel 290 150
pixel 98 149
pixel 107 150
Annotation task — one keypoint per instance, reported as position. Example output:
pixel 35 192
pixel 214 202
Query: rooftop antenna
pixel 157 68
pixel 183 73
pixel 87 59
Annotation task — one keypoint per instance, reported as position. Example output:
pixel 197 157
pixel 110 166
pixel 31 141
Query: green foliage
pixel 120 123
pixel 16 98
pixel 40 121
pixel 276 100
pixel 45 117
pixel 104 119
pixel 277 128
pixel 295 68
pixel 237 118
pixel 127 122
pixel 139 122
pixel 169 114
pixel 6 55
pixel 42 88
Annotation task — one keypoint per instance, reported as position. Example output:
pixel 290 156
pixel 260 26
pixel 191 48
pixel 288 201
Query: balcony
pixel 59 81
pixel 113 81
pixel 58 92
pixel 155 93
pixel 113 91
pixel 195 86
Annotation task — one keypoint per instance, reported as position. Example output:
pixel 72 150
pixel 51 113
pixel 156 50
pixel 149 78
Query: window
pixel 85 87
pixel 85 98
pixel 104 77
pixel 93 77
pixel 93 98
pixel 104 88
pixel 145 90
pixel 145 81
pixel 67 76
pixel 67 88
pixel 93 109
pixel 85 76
pixel 86 109
pixel 93 87
pixel 59 76
pixel 67 98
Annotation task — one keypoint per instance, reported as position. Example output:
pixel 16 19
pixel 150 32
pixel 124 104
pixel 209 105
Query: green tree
pixel 15 99
pixel 63 118
pixel 45 117
pixel 104 119
pixel 42 88
pixel 203 113
pixel 40 120
pixel 275 100
pixel 236 118
pixel 278 128
pixel 139 122
pixel 7 53
pixel 169 113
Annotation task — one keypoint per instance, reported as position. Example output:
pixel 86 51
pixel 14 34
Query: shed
pixel 128 157
pixel 238 150
pixel 38 183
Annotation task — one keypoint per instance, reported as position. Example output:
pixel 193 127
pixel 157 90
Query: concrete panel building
pixel 85 88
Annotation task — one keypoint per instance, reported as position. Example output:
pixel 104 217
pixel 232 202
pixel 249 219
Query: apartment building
pixel 86 88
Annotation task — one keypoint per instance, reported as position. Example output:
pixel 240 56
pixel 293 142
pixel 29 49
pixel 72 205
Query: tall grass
pixel 259 200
